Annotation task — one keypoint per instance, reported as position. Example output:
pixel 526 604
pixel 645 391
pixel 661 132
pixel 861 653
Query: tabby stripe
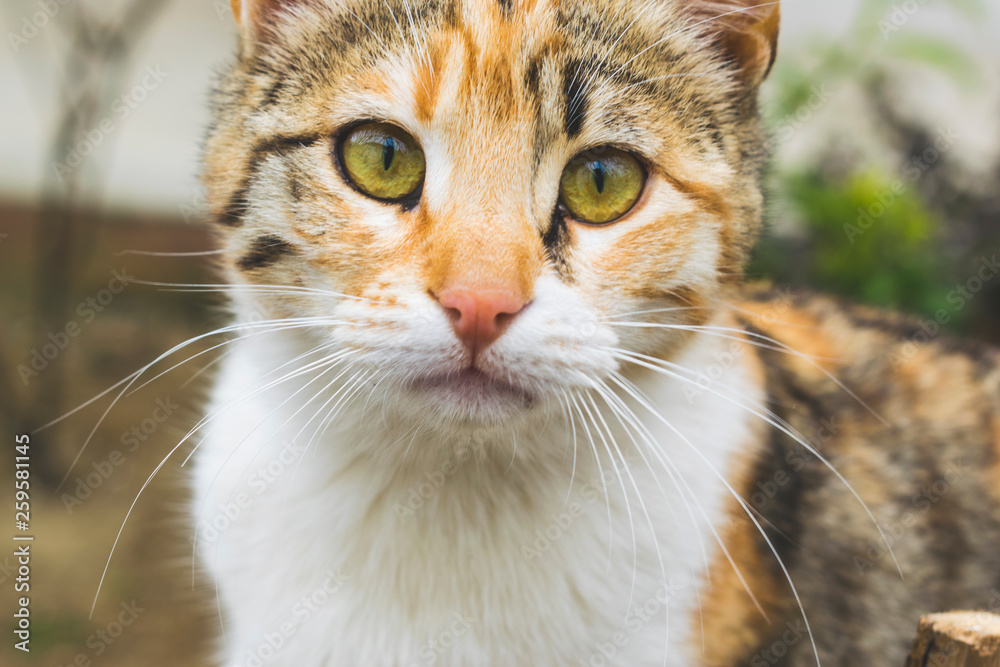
pixel 575 97
pixel 785 510
pixel 236 208
pixel 556 240
pixel 264 251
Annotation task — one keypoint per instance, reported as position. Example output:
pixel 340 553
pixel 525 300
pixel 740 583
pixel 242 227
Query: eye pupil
pixel 597 168
pixel 382 161
pixel 388 153
pixel 601 185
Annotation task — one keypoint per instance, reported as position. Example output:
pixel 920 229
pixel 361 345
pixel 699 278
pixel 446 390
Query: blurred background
pixel 885 189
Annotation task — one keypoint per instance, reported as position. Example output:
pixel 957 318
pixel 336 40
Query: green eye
pixel 383 161
pixel 601 185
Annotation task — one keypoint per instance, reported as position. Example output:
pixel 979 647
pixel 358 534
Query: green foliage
pixel 859 231
pixel 52 630
pixel 870 237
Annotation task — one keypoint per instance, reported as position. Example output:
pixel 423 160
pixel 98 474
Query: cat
pixel 501 395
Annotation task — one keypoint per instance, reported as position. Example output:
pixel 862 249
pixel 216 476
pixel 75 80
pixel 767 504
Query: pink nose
pixel 479 316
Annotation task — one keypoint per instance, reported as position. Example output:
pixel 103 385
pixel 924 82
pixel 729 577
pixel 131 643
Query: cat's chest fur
pixel 476 555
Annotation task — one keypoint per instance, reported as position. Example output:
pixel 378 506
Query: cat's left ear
pixel 256 16
pixel 746 30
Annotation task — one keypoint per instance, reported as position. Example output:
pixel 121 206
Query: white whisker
pixel 736 496
pixel 766 415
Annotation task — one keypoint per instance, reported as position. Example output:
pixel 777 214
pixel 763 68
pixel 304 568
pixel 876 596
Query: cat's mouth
pixel 475 392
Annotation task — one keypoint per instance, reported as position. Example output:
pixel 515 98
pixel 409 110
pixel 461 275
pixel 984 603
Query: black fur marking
pixel 906 329
pixel 574 92
pixel 531 77
pixel 556 240
pixel 787 509
pixel 451 13
pixel 238 205
pixel 264 251
pixel 506 8
pixel 273 94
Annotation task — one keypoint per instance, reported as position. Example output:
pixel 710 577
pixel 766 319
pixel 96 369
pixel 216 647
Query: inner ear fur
pixel 745 30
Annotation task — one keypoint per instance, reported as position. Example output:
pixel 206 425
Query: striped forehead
pixel 499 56
pixel 473 67
pixel 494 57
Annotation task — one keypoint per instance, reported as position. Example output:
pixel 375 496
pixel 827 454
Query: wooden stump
pixel 957 639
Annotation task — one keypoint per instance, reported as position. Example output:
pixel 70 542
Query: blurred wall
pixel 149 157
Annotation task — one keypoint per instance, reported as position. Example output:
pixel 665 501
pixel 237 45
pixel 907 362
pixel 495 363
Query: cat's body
pixel 507 437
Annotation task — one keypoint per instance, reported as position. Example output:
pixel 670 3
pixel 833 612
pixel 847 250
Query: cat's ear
pixel 746 30
pixel 256 16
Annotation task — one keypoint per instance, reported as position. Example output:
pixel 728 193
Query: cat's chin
pixel 472 394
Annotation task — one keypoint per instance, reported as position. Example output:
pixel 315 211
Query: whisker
pixel 743 504
pixel 723 332
pixel 325 366
pixel 222 287
pixel 406 44
pixel 321 363
pixel 621 483
pixel 205 368
pixel 155 253
pixel 206 351
pixel 607 395
pixel 350 389
pixel 768 417
pixel 572 428
pixel 131 380
pixel 600 470
pixel 647 311
pixel 678 478
pixel 328 365
pixel 777 347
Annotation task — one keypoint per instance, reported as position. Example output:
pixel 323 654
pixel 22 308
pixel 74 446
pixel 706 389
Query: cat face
pixel 493 188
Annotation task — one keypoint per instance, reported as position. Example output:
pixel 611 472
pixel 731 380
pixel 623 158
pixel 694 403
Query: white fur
pixel 408 528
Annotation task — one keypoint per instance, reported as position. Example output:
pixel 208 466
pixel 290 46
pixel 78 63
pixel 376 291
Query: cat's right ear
pixel 745 30
pixel 255 17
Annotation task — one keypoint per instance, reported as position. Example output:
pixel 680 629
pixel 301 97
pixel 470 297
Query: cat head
pixel 497 190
